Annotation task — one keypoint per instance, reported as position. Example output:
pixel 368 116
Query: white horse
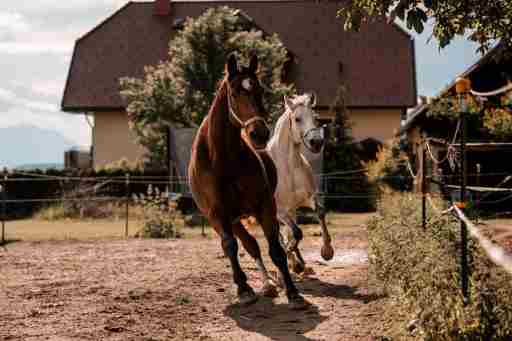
pixel 294 131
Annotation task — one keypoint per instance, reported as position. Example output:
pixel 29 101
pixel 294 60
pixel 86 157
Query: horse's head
pixel 303 122
pixel 245 102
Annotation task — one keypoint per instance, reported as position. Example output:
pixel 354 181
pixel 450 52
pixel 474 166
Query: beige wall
pixel 113 140
pixel 381 124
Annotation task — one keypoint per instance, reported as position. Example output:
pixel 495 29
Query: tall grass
pixel 419 271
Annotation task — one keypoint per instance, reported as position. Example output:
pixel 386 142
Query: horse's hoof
pixel 247 298
pixel 327 252
pixel 269 290
pixel 297 302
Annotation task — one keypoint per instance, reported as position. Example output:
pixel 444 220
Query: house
pixel 378 64
pixel 485 152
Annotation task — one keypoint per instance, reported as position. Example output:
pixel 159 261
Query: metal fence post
pixel 3 193
pixel 127 202
pixel 424 186
pixel 462 88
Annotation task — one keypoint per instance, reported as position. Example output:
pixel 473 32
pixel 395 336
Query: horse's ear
pixel 232 66
pixel 289 103
pixel 253 64
pixel 312 99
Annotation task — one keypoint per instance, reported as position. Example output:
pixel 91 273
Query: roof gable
pixel 376 63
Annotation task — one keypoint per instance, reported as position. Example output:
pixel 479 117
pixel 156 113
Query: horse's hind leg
pixel 251 246
pixel 292 247
pixel 230 247
pixel 327 251
pixel 270 227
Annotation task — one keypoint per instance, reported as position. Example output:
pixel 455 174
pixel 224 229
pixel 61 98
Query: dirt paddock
pixel 133 289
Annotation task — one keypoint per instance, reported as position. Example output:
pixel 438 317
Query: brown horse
pixel 231 176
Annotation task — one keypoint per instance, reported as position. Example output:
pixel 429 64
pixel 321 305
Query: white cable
pixel 492 93
pixel 496 254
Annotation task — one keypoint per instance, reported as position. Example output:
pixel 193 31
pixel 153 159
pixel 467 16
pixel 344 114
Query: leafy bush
pixel 419 270
pixel 180 90
pixel 390 169
pixel 159 215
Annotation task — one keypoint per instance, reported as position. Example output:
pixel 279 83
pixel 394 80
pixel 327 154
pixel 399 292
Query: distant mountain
pixel 30 145
pixel 41 166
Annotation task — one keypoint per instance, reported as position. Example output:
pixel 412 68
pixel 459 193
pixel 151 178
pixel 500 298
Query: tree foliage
pixel 492 116
pixel 487 21
pixel 180 90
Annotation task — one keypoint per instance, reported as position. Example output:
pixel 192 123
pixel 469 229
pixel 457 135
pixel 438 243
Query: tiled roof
pixel 377 63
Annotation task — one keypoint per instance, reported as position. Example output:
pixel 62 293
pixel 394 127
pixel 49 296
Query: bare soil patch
pixel 131 289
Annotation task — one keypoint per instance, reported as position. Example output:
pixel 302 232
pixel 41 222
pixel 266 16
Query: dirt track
pixel 160 290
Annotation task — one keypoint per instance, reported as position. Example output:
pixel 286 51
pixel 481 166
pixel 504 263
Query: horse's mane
pixel 219 138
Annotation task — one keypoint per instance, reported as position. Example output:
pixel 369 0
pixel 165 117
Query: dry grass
pixel 62 229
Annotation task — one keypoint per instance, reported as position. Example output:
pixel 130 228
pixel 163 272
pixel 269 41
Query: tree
pixel 179 91
pixel 487 21
pixel 350 191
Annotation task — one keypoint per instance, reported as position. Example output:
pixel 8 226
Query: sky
pixel 37 39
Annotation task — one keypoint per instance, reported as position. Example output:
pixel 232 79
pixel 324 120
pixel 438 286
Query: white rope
pixel 456 132
pixel 495 253
pixel 432 155
pixel 492 93
pixel 409 167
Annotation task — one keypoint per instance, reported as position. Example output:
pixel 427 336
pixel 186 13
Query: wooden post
pixel 127 203
pixel 170 161
pixel 462 88
pixel 3 193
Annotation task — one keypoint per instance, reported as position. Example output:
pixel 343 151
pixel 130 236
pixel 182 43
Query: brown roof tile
pixel 377 63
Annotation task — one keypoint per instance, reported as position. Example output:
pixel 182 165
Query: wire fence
pixel 119 190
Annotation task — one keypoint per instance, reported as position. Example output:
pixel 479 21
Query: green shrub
pixel 419 270
pixel 159 215
pixel 390 168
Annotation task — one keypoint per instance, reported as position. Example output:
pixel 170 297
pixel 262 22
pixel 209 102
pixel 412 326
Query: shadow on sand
pixel 280 323
pixel 276 321
pixel 8 241
pixel 318 288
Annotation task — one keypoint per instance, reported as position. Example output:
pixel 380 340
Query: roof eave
pixel 79 109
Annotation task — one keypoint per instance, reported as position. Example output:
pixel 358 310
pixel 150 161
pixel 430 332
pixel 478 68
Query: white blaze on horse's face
pixel 247 84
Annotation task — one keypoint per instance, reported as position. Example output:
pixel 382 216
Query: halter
pixel 243 126
pixel 317 131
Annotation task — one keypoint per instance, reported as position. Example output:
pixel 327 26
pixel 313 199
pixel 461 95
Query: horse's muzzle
pixel 259 135
pixel 314 140
pixel 316 145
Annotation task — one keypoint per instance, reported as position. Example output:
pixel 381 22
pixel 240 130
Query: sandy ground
pixel 132 289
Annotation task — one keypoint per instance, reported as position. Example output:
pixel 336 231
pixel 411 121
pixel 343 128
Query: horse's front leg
pixel 246 294
pixel 251 246
pixel 327 251
pixel 270 225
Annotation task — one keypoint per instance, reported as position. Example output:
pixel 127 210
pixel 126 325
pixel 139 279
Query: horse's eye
pixel 297 119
